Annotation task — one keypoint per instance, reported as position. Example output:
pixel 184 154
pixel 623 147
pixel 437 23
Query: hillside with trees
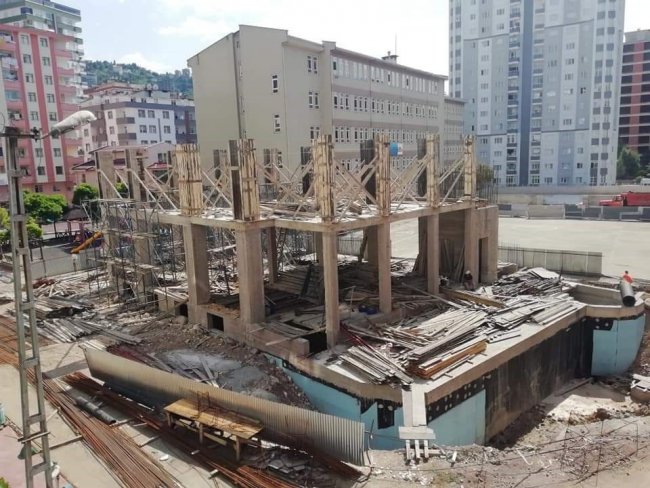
pixel 102 71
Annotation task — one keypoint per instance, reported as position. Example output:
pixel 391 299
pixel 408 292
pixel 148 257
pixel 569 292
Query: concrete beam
pixel 196 259
pixel 250 271
pixel 331 282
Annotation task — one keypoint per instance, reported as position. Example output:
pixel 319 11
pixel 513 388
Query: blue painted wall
pixel 615 349
pixel 462 425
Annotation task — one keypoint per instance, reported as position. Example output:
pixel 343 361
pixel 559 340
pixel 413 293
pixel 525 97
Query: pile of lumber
pixel 433 344
pixel 70 284
pixel 71 329
pixel 53 307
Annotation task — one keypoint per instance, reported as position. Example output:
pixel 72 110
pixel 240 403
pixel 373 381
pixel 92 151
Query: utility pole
pixel 29 366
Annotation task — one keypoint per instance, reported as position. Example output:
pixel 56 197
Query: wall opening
pixel 215 322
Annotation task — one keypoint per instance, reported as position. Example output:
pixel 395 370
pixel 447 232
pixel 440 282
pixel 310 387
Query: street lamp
pixel 24 300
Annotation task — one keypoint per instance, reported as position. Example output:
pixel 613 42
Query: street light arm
pixel 71 123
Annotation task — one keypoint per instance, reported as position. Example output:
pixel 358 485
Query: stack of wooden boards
pixel 430 345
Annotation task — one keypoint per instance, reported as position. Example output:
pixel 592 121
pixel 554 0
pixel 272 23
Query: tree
pixel 84 192
pixel 34 231
pixel 4 218
pixel 122 189
pixel 628 164
pixel 44 208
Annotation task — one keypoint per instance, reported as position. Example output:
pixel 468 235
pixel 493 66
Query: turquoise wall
pixel 615 349
pixel 462 425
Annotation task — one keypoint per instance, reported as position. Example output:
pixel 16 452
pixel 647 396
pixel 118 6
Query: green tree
pixel 34 231
pixel 628 164
pixel 122 189
pixel 44 208
pixel 84 192
pixel 5 223
pixel 3 483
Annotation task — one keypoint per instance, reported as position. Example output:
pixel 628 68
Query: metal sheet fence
pixel 342 438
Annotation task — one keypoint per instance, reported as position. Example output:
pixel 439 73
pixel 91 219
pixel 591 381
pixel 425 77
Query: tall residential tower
pixel 540 79
pixel 40 53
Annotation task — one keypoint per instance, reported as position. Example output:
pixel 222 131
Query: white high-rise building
pixel 541 83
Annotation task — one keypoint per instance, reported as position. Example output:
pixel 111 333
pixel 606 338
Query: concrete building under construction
pixel 263 256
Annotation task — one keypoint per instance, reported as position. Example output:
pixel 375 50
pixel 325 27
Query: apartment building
pixel 129 115
pixel 284 91
pixel 540 78
pixel 40 54
pixel 634 121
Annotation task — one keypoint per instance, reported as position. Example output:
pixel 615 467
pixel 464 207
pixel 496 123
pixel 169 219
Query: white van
pixel 645 182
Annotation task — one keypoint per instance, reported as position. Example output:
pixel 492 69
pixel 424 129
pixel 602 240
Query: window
pixel 312 64
pixel 40 170
pixel 141 113
pixel 86 132
pixel 33 115
pixel 38 152
pixel 46 61
pixel 313 99
pixel 24 39
pixel 27 58
pixel 52 116
pixel 31 96
pixel 109 114
pixel 59 170
pixel 275 84
pixel 48 80
pixel 151 114
pixel 314 132
pixel 165 114
pixel 276 123
pixel 50 98
pixel 43 41
pixel 152 129
pixel 111 130
pixel 29 78
pixel 167 129
pixel 57 152
pixel 143 129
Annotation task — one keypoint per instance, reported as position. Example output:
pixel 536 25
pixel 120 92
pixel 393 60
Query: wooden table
pixel 205 414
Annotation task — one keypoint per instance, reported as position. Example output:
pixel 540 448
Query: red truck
pixel 628 199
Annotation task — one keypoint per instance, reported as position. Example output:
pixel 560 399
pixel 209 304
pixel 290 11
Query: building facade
pixel 540 78
pixel 135 115
pixel 284 91
pixel 634 121
pixel 40 53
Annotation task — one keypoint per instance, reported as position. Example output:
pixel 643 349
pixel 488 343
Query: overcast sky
pixel 162 34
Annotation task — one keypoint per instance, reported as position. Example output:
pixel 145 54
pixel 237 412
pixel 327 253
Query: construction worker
pixel 627 277
pixel 468 280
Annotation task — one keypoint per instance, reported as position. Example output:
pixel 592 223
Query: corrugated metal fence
pixel 336 436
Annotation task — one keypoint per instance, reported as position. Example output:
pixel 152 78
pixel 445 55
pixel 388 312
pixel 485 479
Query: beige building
pixel 283 91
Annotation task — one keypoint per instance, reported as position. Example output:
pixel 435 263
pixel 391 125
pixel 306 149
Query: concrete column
pixel 331 281
pixel 272 253
pixel 372 249
pixel 196 268
pixel 250 270
pixel 433 254
pixel 471 244
pixel 491 246
pixel 383 267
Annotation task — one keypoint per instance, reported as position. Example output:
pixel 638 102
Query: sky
pixel 162 34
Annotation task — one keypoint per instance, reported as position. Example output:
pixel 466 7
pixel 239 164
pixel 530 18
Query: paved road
pixel 625 245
